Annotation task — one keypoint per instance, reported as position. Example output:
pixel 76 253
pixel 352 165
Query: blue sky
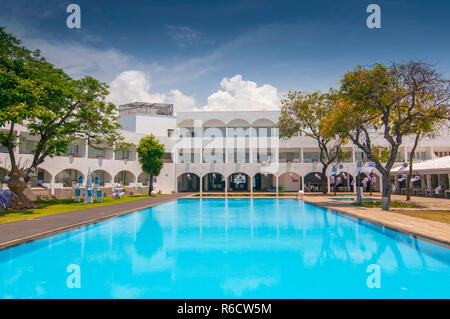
pixel 230 54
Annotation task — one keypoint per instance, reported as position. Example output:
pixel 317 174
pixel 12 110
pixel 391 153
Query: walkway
pixel 414 226
pixel 17 233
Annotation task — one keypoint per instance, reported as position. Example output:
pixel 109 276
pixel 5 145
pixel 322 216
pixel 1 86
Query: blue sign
pixel 80 180
pixel 78 192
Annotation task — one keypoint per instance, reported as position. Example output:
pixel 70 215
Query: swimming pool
pixel 227 248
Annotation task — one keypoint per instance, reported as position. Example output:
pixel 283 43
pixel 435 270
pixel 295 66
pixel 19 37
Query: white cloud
pixel 180 101
pixel 236 94
pixel 134 86
pixel 241 95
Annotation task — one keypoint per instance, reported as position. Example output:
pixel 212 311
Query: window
pixel 418 156
pixel 72 150
pixel 264 131
pixel 167 158
pixel 311 157
pixel 170 132
pixel 441 154
pixel 96 153
pixel 27 147
pixel 122 155
pixel 187 132
pixel 288 157
pixel 360 156
pixel 238 132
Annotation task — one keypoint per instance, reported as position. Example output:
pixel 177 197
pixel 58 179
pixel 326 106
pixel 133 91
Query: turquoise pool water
pixel 235 248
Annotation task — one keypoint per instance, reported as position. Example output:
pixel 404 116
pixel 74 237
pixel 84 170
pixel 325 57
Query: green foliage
pixel 394 102
pixel 50 104
pixel 305 113
pixel 150 154
pixel 394 204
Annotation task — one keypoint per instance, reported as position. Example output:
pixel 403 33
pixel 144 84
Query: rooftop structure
pixel 146 108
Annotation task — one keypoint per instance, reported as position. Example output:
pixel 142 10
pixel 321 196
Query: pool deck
pixel 430 230
pixel 21 232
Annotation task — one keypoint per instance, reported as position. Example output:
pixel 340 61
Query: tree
pixel 51 106
pixel 150 154
pixel 304 113
pixel 382 101
pixel 428 93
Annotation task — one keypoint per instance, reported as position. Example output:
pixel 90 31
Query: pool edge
pixel 406 232
pixel 34 237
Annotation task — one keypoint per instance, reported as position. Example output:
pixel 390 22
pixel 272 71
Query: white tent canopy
pixel 440 165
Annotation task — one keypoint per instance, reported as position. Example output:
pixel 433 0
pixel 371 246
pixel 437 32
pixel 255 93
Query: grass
pixel 393 204
pixel 438 216
pixel 58 206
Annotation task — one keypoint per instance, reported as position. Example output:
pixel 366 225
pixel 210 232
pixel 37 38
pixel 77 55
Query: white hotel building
pixel 198 160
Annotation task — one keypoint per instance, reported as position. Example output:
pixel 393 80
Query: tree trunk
pixel 324 179
pixel 17 187
pixel 386 194
pixel 335 183
pixel 358 188
pixel 150 185
pixel 411 157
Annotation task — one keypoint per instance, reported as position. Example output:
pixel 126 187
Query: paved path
pixel 413 226
pixel 20 232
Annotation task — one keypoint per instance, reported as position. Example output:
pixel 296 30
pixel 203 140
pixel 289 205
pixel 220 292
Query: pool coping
pixel 403 231
pixel 65 228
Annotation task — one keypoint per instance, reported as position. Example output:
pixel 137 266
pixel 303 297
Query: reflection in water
pixel 225 248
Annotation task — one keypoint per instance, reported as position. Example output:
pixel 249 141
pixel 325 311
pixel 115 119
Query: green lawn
pixel 393 204
pixel 438 216
pixel 57 206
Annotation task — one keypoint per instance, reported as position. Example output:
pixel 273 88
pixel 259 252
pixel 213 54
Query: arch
pixel 312 182
pixel 238 123
pixel 370 186
pixel 344 182
pixel 186 123
pixel 125 178
pixel 188 182
pixel 41 176
pixel 68 177
pixel 263 122
pixel 214 123
pixel 144 179
pixel 290 182
pixel 103 176
pixel 213 182
pixel 238 182
pixel 264 182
